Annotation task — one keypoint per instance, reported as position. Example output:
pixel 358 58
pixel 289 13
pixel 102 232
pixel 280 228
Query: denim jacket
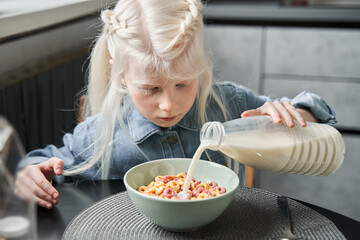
pixel 144 141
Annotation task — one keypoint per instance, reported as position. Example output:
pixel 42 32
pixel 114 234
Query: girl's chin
pixel 166 124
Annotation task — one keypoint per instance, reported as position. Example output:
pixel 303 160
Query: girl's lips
pixel 168 119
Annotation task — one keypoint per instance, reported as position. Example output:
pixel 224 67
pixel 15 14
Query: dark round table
pixel 77 196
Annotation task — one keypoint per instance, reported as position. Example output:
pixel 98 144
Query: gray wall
pixel 280 62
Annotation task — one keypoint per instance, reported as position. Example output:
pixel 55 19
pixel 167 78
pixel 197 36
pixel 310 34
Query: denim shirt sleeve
pixel 319 108
pixel 240 99
pixel 77 146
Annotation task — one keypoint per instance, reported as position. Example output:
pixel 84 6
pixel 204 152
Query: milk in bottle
pixel 317 149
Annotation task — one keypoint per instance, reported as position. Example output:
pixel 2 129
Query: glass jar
pixel 17 216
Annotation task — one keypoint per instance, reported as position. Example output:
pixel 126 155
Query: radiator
pixel 42 105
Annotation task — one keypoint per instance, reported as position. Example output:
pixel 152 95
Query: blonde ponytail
pixel 99 75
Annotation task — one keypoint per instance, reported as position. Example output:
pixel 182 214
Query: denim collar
pixel 140 128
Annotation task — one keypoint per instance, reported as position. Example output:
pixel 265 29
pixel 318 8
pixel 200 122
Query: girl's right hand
pixel 33 182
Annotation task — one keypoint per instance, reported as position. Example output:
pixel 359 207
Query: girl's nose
pixel 167 102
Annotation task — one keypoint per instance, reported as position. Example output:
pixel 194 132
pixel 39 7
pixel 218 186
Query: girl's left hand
pixel 281 112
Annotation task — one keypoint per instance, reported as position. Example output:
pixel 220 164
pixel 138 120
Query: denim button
pixel 171 140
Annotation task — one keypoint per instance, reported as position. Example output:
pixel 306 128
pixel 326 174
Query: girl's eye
pixel 181 85
pixel 150 90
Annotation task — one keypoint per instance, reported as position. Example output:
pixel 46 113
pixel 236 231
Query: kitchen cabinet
pixel 235 53
pixel 322 61
pixel 313 52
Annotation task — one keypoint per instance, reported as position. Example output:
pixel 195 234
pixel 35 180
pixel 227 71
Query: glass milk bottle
pixel 317 149
pixel 17 217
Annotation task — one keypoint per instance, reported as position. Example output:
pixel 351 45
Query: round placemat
pixel 253 214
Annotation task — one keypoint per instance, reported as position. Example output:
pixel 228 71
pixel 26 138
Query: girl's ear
pixel 123 82
pixel 111 61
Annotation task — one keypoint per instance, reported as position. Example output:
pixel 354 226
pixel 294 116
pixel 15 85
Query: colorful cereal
pixel 170 185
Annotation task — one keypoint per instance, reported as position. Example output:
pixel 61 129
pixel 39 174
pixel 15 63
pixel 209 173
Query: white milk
pixel 259 150
pixel 190 173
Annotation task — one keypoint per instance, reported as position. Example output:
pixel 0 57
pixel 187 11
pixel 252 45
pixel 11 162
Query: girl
pixel 150 90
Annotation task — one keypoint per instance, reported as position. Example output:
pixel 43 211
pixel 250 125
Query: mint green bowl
pixel 180 215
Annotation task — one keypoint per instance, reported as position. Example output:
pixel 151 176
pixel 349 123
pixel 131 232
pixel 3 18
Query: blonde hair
pixel 163 37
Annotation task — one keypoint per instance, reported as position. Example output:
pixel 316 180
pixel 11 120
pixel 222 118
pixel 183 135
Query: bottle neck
pixel 211 135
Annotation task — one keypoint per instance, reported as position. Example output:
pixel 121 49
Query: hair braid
pixel 191 18
pixel 123 25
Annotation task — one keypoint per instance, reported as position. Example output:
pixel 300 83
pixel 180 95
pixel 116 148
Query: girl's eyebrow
pixel 185 81
pixel 144 84
pixel 147 85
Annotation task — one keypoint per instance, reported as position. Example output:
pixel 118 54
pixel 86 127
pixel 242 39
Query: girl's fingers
pixel 48 170
pixel 270 109
pixel 295 113
pixel 42 182
pixel 24 192
pixel 52 166
pixel 250 113
pixel 266 109
pixel 279 111
pixel 58 166
pixel 43 203
pixel 40 193
pixel 285 115
pixel 31 183
pixel 42 198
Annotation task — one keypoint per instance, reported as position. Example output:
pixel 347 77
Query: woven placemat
pixel 253 214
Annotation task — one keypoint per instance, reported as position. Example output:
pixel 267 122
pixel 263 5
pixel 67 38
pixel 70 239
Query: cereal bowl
pixel 180 215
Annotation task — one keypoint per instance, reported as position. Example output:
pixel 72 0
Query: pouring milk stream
pixel 317 149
